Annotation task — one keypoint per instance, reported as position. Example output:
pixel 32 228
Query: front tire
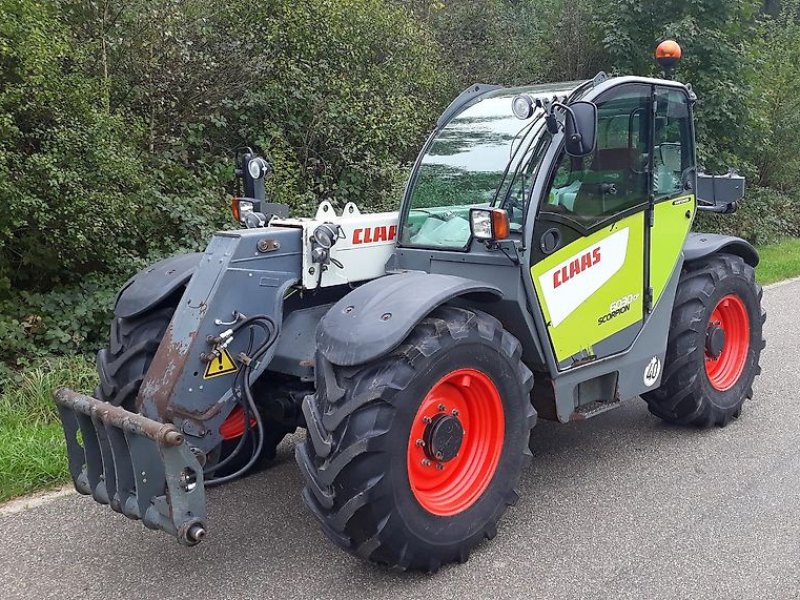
pixel 411 459
pixel 132 346
pixel 715 344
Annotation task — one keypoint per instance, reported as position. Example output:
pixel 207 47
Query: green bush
pixel 72 320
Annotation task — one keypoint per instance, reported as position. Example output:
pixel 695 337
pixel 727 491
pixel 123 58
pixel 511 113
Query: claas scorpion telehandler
pixel 541 264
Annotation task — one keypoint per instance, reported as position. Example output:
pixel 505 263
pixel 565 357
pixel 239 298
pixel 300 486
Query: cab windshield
pixel 485 156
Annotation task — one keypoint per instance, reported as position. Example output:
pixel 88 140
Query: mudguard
pixel 700 245
pixel 149 287
pixel 376 317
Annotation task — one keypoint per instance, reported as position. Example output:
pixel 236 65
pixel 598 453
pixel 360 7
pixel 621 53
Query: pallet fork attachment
pixel 139 467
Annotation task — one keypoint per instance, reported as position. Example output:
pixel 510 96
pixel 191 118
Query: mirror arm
pixel 549 106
pixel 565 108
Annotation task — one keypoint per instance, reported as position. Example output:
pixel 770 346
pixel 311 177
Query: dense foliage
pixel 118 119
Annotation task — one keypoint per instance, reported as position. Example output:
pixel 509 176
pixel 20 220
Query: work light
pixel 489 223
pixel 522 106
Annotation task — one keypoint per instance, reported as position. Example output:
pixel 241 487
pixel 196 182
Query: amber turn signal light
pixel 240 208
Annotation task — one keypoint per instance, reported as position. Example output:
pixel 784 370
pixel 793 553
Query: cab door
pixel 674 175
pixel 588 253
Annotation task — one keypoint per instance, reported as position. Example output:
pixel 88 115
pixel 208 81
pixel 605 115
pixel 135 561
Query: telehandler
pixel 541 263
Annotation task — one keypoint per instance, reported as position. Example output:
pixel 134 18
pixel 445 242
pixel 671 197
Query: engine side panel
pixel 360 250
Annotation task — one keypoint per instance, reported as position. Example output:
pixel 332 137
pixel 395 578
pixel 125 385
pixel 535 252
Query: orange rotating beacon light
pixel 668 53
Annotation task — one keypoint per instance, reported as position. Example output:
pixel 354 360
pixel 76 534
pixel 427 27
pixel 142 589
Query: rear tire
pixel 367 479
pixel 708 375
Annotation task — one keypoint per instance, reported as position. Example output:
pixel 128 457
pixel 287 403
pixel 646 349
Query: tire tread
pixel 371 388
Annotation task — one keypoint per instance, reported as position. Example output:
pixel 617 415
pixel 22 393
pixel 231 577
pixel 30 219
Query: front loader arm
pixel 149 465
pixel 233 277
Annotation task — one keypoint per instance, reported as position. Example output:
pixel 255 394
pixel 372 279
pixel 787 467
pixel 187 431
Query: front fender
pixel 156 283
pixel 376 317
pixel 700 245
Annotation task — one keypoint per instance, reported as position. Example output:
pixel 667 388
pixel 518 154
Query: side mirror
pixel 580 129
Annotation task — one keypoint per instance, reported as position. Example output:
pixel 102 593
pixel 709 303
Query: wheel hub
pixel 443 437
pixel 715 340
pixel 455 442
pixel 727 342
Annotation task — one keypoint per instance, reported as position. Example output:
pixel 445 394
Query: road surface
pixel 621 506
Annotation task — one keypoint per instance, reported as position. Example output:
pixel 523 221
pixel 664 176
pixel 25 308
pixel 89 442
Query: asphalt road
pixel 621 506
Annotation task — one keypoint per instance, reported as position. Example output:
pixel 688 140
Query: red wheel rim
pixel 730 316
pixel 450 487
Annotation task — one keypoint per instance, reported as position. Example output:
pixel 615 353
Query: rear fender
pixel 700 245
pixel 376 317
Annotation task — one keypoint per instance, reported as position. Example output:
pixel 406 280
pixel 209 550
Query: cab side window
pixel 673 153
pixel 614 178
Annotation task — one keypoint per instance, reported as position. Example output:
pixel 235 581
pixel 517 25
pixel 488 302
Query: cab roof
pixel 587 89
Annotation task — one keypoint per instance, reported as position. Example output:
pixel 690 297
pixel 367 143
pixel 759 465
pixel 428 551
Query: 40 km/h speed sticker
pixel 221 365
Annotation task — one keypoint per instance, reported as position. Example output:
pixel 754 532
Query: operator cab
pixel 589 185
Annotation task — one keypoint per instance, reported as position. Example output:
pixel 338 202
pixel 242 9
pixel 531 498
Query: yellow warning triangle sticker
pixel 221 365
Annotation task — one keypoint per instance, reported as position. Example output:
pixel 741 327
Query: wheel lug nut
pixel 440 466
pixel 426 420
pixel 421 443
pixel 455 412
pixel 442 407
pixel 426 462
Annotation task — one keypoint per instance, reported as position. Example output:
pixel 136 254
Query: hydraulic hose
pixel 270 327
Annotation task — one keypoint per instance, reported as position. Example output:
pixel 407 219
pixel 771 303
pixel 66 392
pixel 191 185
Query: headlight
pixel 481 221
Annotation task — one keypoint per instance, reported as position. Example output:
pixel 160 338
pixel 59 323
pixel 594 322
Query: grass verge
pixel 779 261
pixel 32 447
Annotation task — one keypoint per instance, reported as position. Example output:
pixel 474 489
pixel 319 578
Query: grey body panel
pixel 493 268
pixel 376 317
pixel 156 283
pixel 699 245
pixel 297 343
pixel 232 276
